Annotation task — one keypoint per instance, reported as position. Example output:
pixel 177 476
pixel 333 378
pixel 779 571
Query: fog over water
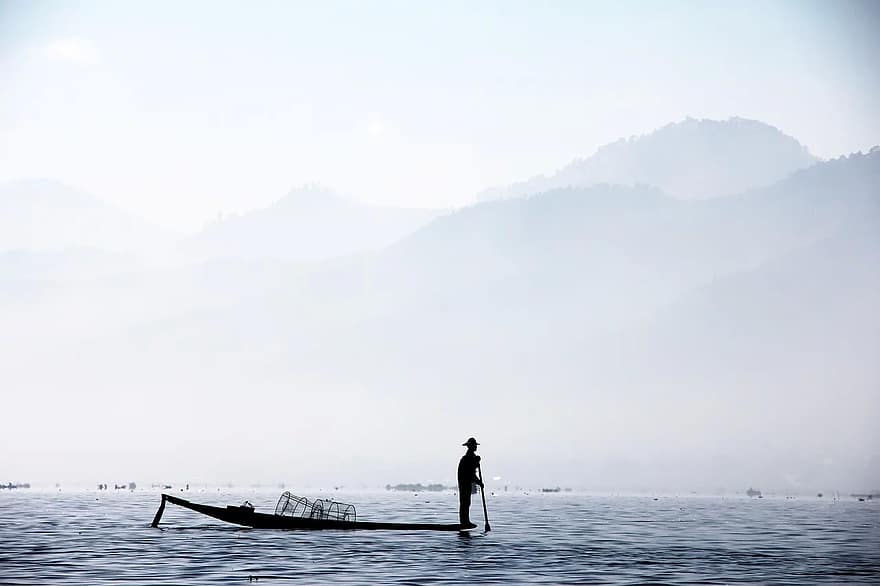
pixel 692 304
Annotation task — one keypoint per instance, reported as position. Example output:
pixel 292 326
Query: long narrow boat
pixel 311 515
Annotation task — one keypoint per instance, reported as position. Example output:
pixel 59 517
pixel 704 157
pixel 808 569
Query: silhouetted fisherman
pixel 467 475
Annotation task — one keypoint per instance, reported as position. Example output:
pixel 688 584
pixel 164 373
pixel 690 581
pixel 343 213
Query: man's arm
pixel 477 479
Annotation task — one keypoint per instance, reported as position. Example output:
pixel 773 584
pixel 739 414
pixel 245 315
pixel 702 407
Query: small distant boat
pixel 418 487
pixel 293 512
pixel 867 496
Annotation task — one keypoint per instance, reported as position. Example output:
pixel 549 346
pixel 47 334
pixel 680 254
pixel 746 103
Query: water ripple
pixel 102 538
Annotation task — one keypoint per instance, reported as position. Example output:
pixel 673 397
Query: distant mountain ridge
pixel 691 159
pixel 620 250
pixel 43 215
pixel 310 223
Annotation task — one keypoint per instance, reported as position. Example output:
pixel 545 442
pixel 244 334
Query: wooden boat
pixel 294 512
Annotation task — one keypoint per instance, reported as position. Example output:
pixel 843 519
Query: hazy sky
pixel 178 111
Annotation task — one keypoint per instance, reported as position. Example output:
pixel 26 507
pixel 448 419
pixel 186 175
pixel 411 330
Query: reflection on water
pixel 96 538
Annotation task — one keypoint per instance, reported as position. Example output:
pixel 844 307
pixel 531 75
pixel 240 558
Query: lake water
pixel 64 537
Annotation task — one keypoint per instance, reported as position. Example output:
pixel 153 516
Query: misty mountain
pixel 691 159
pixel 41 215
pixel 543 278
pixel 619 321
pixel 310 223
pixel 611 251
pixel 511 276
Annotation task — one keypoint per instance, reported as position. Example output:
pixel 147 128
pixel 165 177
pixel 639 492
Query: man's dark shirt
pixel 467 470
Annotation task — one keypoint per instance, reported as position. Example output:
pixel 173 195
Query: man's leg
pixel 464 509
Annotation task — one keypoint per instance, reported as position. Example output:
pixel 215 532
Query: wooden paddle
pixel 483 494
